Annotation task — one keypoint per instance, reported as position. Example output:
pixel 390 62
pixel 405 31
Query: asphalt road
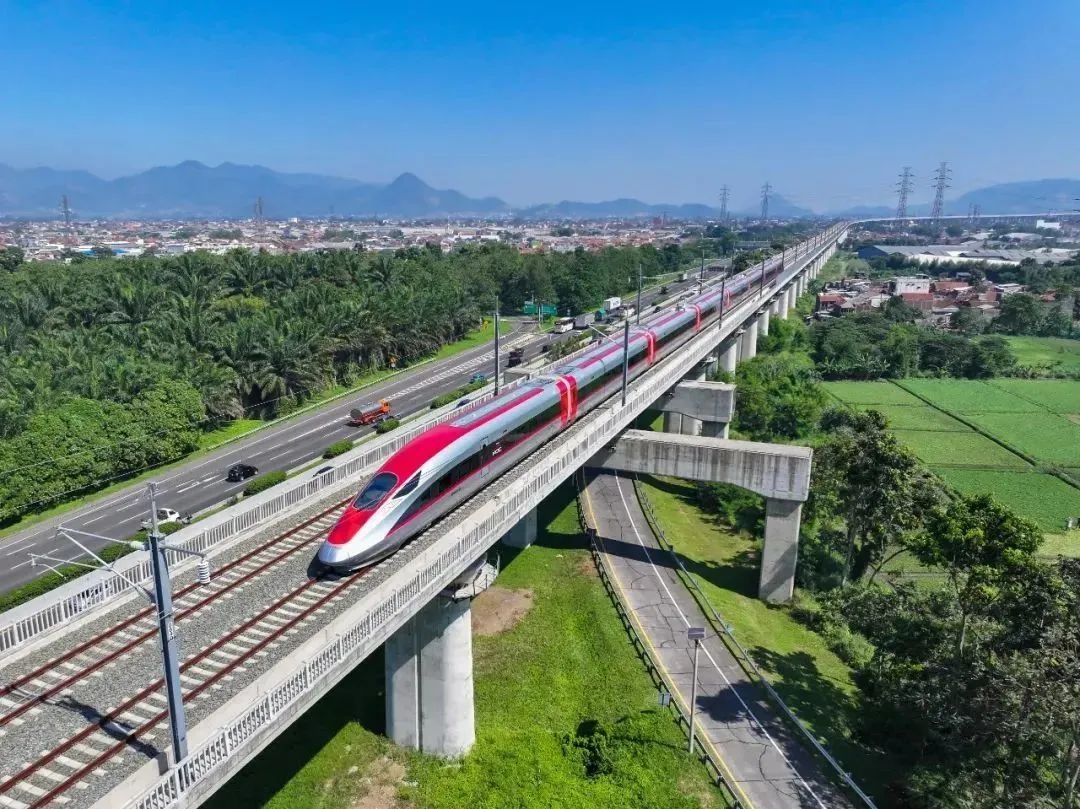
pixel 200 484
pixel 767 764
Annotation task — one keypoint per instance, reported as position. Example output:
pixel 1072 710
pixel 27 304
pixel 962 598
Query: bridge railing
pixel 419 571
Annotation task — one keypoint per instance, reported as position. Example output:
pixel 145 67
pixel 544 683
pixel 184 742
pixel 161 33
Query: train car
pixel 445 465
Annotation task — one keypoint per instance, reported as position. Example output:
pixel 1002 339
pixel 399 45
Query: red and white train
pixel 444 466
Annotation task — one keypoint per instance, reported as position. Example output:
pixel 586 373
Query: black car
pixel 241 471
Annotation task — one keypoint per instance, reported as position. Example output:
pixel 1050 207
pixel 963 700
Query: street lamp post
pixel 638 319
pixel 697 635
pixel 626 352
pixel 496 345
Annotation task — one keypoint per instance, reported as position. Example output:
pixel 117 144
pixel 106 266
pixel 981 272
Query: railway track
pixel 134 722
pixel 56 677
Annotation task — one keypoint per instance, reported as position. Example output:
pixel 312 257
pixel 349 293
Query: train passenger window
pixel 409 487
pixel 375 491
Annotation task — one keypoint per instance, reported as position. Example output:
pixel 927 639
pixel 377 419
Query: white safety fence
pixel 437 557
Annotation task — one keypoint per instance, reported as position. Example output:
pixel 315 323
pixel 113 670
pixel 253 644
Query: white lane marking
pixel 209 479
pixel 21 564
pixel 132 504
pixel 99 517
pixel 14 551
pixel 659 578
pixel 189 486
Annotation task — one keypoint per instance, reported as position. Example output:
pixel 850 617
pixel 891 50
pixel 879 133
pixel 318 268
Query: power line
pixel 723 203
pixel 941 182
pixel 765 189
pixel 904 187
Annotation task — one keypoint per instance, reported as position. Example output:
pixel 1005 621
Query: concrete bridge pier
pixel 778 472
pixel 729 355
pixel 429 680
pixel 763 322
pixel 781 304
pixel 523 534
pixel 748 346
pixel 699 407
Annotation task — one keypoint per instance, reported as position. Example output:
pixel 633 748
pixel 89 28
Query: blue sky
pixel 539 102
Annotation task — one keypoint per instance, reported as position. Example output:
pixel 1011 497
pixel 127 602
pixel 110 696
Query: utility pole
pixel 496 345
pixel 701 273
pixel 163 600
pixel 765 189
pixel 720 309
pixel 724 192
pixel 903 188
pixel 941 182
pixel 625 357
pixel 638 319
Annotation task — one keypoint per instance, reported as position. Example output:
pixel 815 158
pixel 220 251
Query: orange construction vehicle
pixel 369 413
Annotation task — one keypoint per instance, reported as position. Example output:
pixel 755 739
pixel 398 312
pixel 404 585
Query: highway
pixel 200 483
pixel 767 767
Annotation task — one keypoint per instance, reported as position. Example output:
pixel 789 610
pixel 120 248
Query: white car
pixel 164 515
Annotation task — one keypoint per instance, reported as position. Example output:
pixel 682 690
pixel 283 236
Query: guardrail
pixel 645 652
pixel 414 575
pixel 744 658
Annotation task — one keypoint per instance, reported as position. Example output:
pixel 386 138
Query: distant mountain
pixel 1032 196
pixel 865 211
pixel 191 189
pixel 625 208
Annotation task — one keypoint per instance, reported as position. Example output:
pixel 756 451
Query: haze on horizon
pixel 536 104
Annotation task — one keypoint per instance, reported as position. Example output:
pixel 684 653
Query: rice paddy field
pixel 1001 436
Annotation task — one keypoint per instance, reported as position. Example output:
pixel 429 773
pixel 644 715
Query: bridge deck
pixel 768 767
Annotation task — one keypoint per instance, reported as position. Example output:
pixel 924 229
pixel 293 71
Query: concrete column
pixel 780 551
pixel 429 680
pixel 714 429
pixel 748 347
pixel 523 534
pixel 673 423
pixel 763 322
pixel 729 354
pixel 781 304
pixel 774 307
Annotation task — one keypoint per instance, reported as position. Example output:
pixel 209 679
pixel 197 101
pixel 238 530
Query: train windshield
pixel 375 491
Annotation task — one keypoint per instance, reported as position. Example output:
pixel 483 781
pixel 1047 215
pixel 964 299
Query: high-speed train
pixel 445 465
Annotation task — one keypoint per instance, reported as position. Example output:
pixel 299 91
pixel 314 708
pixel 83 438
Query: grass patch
pixel 1055 395
pixel 959 449
pixel 814 682
pixel 1040 497
pixel 871 393
pixel 1046 436
pixel 918 417
pixel 538 685
pixel 1058 353
pixel 968 396
pixel 234 429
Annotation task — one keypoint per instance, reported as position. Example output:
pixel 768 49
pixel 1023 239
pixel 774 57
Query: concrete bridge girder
pixel 697 407
pixel 778 472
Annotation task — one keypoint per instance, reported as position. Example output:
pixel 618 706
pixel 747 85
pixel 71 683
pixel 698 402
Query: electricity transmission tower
pixel 941 182
pixel 723 203
pixel 765 189
pixel 65 209
pixel 259 210
pixel 903 188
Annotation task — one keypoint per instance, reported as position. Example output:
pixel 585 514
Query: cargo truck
pixel 584 321
pixel 611 303
pixel 369 414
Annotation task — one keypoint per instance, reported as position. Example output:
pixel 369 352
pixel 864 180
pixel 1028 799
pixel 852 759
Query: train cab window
pixel 409 487
pixel 376 491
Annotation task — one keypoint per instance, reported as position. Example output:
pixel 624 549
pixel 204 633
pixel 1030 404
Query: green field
pixel 1057 353
pixel 1055 395
pixel 1045 436
pixel 871 393
pixel 917 417
pixel 968 396
pixel 959 449
pixel 810 678
pixel 1034 416
pixel 540 684
pixel 1038 496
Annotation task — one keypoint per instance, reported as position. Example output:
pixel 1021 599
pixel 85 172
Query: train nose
pixel 333 555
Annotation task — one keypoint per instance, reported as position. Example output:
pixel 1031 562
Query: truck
pixel 517 356
pixel 584 321
pixel 611 303
pixel 369 413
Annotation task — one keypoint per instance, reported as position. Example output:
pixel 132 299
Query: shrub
pixel 263 482
pixel 338 448
pixel 386 425
pixel 447 398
